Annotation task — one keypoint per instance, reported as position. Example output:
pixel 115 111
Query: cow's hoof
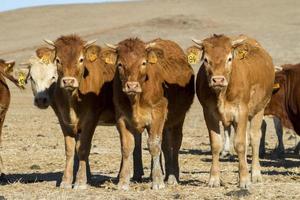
pixel 137 179
pixel 123 186
pixel 172 180
pixel 256 178
pixel 65 185
pixel 159 184
pixel 214 182
pixel 244 184
pixel 80 186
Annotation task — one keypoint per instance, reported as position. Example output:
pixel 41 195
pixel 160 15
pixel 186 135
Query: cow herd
pixel 137 86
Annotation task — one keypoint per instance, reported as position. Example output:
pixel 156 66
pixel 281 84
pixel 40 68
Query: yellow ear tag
pixel 152 58
pixel 21 79
pixel 46 59
pixel 92 57
pixel 193 58
pixel 276 86
pixel 242 54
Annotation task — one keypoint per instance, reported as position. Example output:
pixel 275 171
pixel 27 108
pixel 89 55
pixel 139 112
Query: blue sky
pixel 15 4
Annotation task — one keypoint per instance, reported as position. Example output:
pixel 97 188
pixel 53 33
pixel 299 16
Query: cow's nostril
pixel 44 100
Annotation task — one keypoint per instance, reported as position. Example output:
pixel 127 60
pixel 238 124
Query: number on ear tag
pixel 192 58
pixel 46 59
pixel 92 56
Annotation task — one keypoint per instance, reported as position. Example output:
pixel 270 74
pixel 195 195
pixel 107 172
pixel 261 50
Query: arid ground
pixel 33 146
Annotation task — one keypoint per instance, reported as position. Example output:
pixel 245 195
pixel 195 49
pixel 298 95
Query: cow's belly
pixel 258 100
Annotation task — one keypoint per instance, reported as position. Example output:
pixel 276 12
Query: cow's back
pixel 180 89
pixel 253 73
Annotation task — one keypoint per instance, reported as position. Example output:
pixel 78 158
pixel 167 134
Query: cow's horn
pixel 9 62
pixel 89 43
pixel 111 46
pixel 199 42
pixel 237 41
pixel 49 42
pixel 151 44
pixel 278 68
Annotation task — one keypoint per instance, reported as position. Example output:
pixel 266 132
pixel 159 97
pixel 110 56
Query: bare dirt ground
pixel 33 147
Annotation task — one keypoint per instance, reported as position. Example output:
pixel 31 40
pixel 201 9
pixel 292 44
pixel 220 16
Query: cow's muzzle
pixel 69 83
pixel 218 81
pixel 132 88
pixel 41 101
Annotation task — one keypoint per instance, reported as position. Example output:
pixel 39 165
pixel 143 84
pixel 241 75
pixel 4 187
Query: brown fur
pixel 4 98
pixel 167 91
pixel 250 80
pixel 79 111
pixel 285 103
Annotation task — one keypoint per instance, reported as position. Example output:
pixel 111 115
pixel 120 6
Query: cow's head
pixel 7 70
pixel 216 54
pixel 134 57
pixel 42 74
pixel 70 54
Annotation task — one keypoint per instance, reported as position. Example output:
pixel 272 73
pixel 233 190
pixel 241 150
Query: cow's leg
pixel 127 147
pixel 216 146
pixel 2 170
pixel 154 143
pixel 262 146
pixel 255 135
pixel 279 132
pixel 69 138
pixel 177 140
pixel 166 148
pixel 83 147
pixel 138 171
pixel 227 146
pixel 240 147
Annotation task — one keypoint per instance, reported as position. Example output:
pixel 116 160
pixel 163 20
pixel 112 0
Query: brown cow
pixel 153 90
pixel 285 101
pixel 5 70
pixel 234 84
pixel 82 96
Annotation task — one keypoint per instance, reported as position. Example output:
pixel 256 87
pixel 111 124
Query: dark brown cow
pixel 234 84
pixel 285 101
pixel 153 90
pixel 82 96
pixel 5 70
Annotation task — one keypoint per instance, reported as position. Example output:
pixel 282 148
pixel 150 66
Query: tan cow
pixel 153 90
pixel 6 67
pixel 82 96
pixel 234 85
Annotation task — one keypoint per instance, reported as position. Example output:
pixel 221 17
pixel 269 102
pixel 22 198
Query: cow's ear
pixel 9 66
pixel 109 56
pixel 45 54
pixel 154 54
pixel 194 54
pixel 92 53
pixel 276 87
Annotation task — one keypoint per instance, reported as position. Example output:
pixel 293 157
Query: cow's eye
pixel 205 60
pixel 81 60
pixel 120 65
pixel 229 59
pixel 57 61
pixel 53 78
pixel 144 63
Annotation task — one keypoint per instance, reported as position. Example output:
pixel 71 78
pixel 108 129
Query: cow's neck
pixel 227 108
